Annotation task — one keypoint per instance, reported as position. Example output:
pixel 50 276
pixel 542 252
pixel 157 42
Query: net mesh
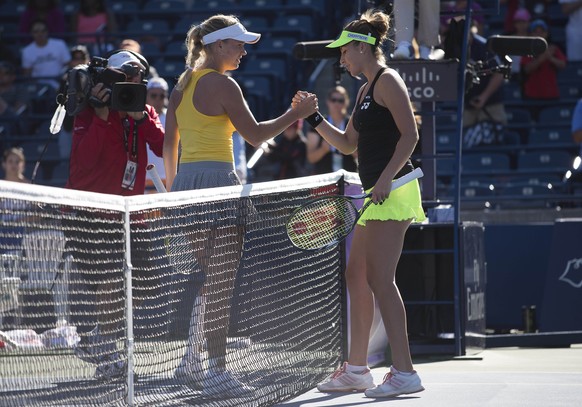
pixel 223 311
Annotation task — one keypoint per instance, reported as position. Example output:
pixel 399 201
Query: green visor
pixel 348 36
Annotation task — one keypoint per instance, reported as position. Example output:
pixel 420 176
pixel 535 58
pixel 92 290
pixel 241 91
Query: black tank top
pixel 378 136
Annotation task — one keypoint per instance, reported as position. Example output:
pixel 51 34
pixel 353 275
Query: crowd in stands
pixel 534 105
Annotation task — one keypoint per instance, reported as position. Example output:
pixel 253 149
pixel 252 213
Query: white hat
pixel 236 32
pixel 158 83
pixel 121 58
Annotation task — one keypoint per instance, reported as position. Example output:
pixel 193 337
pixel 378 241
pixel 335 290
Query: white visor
pixel 236 32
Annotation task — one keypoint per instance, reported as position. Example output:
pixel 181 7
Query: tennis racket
pixel 326 221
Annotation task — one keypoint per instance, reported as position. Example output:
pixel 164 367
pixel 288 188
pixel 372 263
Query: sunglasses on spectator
pixel 337 100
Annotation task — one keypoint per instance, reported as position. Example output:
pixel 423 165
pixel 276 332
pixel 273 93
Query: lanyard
pixel 126 128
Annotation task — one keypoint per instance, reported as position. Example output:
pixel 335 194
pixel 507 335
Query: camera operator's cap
pixel 121 58
pixel 236 32
pixel 348 36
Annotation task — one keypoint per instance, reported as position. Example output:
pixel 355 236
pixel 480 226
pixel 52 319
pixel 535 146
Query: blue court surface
pixel 512 377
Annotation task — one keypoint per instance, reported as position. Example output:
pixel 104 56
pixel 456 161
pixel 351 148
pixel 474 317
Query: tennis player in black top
pixel 383 130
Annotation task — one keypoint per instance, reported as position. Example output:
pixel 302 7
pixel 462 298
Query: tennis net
pixel 185 298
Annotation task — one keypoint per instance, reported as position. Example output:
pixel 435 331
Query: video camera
pixel 124 96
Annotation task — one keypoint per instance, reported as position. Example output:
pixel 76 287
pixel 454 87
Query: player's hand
pixel 298 97
pixel 307 106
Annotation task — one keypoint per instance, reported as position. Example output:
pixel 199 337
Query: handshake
pixel 307 107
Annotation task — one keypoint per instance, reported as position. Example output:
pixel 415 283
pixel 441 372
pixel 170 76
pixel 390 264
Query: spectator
pixel 45 10
pixel 133 45
pixel 484 100
pixel 427 35
pixel 456 9
pixel 573 9
pixel 79 55
pixel 13 164
pixel 94 23
pixel 520 27
pixel 109 155
pixel 289 152
pixel 157 97
pixel 541 72
pixel 14 100
pixel 323 157
pixel 45 58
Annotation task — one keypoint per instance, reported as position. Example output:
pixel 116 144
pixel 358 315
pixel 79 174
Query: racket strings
pixel 322 223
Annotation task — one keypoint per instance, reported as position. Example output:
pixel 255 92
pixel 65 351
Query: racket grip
pixel 406 178
pixel 153 173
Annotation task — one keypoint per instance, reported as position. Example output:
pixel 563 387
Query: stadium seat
pixel 485 163
pixel 271 66
pixel 124 7
pixel 165 7
pixel 445 142
pixel 276 46
pixel 572 73
pixel 555 115
pixel 518 117
pixel 175 50
pixel 299 26
pixel 544 161
pixel 569 91
pixel 550 136
pixel 170 68
pixel 256 23
pixel 525 196
pixel 147 27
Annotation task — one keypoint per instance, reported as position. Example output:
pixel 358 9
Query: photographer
pixel 109 155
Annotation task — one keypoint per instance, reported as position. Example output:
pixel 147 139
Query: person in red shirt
pixel 109 155
pixel 540 72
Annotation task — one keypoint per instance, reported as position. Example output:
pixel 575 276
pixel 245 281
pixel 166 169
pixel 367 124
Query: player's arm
pixel 234 105
pixel 171 139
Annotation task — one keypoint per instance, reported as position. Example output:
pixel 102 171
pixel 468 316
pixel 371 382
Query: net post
pixel 129 307
pixel 342 277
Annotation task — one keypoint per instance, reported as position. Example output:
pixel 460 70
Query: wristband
pixel 145 116
pixel 314 120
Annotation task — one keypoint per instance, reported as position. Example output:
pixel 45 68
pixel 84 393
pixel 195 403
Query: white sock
pixel 402 373
pixel 355 368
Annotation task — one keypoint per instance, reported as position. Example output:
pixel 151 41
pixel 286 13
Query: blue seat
pixel 170 68
pixel 517 117
pixel 276 45
pixel 445 166
pixel 123 7
pixel 570 91
pixel 545 161
pixel 270 66
pixel 258 85
pixel 165 7
pixel 475 162
pixel 555 115
pixel 572 73
pixel 526 196
pixel 256 23
pixel 149 27
pixel 542 136
pixel 445 142
pixel 297 25
pixel 175 50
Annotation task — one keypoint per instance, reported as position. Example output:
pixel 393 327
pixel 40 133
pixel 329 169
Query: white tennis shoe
pixel 224 384
pixel 395 383
pixel 342 380
pixel 190 371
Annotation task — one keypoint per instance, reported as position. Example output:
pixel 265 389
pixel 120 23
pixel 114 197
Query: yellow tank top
pixel 203 138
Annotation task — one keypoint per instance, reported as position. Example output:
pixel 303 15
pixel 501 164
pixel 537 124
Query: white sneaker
pixel 342 380
pixel 404 50
pixel 190 371
pixel 395 384
pixel 224 384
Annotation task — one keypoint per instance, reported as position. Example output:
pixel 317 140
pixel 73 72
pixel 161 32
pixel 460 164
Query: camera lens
pixel 126 96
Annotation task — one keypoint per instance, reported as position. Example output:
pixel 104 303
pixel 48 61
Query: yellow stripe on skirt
pixel 403 203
